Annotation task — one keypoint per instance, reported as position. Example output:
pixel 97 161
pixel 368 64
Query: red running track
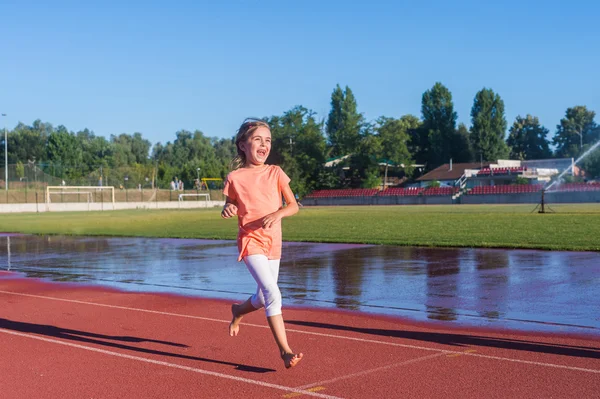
pixel 70 341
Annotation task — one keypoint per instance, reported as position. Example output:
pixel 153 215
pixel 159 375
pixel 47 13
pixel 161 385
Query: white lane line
pixel 371 341
pixel 375 370
pixel 227 321
pixel 558 366
pixel 173 365
pixel 112 306
pixel 443 351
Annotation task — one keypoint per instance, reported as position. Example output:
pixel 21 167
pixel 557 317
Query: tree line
pixel 302 143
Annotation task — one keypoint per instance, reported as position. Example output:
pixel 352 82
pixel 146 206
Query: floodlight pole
pixel 5 158
pixel 580 139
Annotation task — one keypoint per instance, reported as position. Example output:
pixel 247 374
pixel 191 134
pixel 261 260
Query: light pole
pixel 126 196
pixel 580 139
pixel 5 158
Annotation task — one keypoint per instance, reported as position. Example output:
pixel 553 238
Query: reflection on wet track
pixel 525 289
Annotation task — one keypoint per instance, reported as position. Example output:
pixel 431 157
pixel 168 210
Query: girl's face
pixel 257 147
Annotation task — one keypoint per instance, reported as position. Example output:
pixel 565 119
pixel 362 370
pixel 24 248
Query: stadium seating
pixel 501 171
pixel 506 189
pixel 412 191
pixel 401 191
pixel 573 187
pixel 393 191
pixel 449 191
pixel 344 192
pixel 440 191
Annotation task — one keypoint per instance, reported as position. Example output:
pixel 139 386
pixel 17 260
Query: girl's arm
pixel 230 209
pixel 289 210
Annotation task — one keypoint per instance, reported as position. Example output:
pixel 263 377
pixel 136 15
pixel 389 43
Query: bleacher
pixel 506 189
pixel 393 191
pixel 440 191
pixel 532 188
pixel 344 192
pixel 401 191
pixel 501 171
pixel 575 187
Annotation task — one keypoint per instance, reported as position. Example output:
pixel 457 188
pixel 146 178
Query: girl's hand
pixel 269 220
pixel 229 210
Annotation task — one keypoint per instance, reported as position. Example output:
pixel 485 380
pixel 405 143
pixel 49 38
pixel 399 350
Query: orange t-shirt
pixel 257 193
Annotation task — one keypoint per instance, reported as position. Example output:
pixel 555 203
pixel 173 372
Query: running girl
pixel 253 192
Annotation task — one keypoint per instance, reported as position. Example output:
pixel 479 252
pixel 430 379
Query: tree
pixel 298 146
pixel 461 145
pixel 140 148
pixel 27 143
pixel 364 164
pixel 438 129
pixel 344 123
pixel 575 130
pixel 64 151
pixel 394 136
pixel 99 151
pixel 591 163
pixel 191 151
pixel 130 149
pixel 527 139
pixel 20 170
pixel 488 126
pixel 225 151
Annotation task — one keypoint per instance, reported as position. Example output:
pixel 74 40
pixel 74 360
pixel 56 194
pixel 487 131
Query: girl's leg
pixel 238 311
pixel 253 303
pixel 290 359
pixel 266 272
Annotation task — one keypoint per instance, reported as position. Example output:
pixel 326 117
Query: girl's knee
pixel 257 301
pixel 273 301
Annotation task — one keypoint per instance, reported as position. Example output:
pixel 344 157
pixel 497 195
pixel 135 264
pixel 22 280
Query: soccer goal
pixel 74 192
pixel 206 197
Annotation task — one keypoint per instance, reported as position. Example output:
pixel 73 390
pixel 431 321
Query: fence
pixel 27 185
pixel 37 176
pixel 29 196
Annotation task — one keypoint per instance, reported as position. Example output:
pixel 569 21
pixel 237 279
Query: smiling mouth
pixel 261 153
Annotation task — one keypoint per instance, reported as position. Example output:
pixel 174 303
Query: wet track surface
pixel 523 289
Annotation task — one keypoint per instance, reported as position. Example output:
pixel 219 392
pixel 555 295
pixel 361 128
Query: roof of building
pixel 445 173
pixel 334 161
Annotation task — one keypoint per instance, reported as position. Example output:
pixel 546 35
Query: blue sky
pixel 156 67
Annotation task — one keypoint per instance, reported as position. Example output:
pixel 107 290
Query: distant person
pixel 172 185
pixel 298 201
pixel 253 192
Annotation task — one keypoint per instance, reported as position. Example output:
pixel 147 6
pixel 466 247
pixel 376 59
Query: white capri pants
pixel 265 272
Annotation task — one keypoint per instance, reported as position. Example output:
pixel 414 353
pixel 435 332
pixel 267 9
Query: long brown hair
pixel 245 131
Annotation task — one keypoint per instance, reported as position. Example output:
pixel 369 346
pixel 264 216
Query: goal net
pixel 80 194
pixel 196 197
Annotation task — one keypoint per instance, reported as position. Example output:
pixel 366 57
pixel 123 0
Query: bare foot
pixel 234 326
pixel 291 359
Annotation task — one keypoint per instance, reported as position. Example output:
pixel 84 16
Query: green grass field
pixel 571 227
